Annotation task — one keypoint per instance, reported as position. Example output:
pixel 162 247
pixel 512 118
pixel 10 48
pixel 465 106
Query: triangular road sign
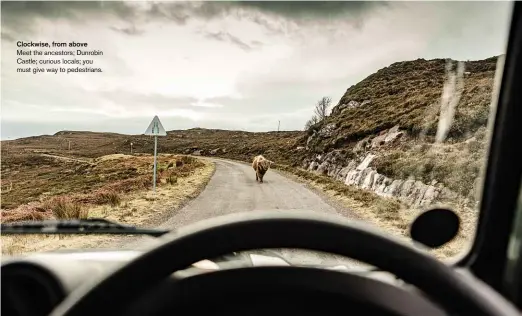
pixel 155 128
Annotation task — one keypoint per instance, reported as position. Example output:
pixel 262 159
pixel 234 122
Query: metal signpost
pixel 155 129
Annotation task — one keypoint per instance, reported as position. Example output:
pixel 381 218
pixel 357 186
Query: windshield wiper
pixel 76 226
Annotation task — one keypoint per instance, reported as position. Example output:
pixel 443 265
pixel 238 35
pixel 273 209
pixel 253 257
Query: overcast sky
pixel 241 65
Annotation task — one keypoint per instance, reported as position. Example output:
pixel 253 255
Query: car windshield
pixel 164 114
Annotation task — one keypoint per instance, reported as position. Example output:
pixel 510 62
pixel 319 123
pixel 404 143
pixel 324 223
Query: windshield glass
pixel 369 110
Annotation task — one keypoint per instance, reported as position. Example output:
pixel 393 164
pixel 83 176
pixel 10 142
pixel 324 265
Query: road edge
pixel 164 216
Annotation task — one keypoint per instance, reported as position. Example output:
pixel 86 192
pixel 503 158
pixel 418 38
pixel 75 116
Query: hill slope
pixel 404 94
pixel 381 136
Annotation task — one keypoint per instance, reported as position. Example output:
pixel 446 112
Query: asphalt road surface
pixel 233 188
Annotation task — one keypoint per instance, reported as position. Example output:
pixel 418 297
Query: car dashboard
pixel 35 284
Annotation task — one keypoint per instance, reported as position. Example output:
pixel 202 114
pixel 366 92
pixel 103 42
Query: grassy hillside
pixel 408 94
pixel 31 180
pixel 113 187
pixel 230 144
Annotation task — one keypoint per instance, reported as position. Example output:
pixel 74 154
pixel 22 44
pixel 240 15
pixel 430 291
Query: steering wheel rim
pixel 258 230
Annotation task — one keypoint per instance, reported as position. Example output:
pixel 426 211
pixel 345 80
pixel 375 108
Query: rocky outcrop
pixel 387 137
pixel 355 169
pixel 327 130
pixel 411 192
pixel 341 108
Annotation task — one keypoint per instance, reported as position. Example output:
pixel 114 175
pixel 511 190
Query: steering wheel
pixel 246 231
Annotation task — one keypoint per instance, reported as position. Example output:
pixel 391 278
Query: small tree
pixel 322 107
pixel 321 110
pixel 311 122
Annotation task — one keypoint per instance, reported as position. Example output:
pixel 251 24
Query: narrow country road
pixel 233 189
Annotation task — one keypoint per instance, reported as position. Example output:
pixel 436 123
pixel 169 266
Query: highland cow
pixel 261 166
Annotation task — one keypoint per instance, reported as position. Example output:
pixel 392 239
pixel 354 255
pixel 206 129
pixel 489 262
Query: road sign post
pixel 155 163
pixel 155 129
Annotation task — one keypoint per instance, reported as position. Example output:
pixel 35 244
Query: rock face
pixel 411 192
pixel 386 137
pixel 358 172
pixel 348 106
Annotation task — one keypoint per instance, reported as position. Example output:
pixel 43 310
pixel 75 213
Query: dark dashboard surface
pixel 36 283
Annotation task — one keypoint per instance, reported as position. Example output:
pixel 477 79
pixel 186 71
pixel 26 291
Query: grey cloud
pixel 20 14
pixel 227 37
pixel 175 12
pixel 282 96
pixel 271 27
pixel 238 42
pixel 131 30
pixel 265 101
pixel 286 9
pixel 291 9
pixel 63 9
pixel 7 36
pixel 311 9
pixel 45 98
pixel 133 100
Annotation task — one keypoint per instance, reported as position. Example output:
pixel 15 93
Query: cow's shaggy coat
pixel 261 166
